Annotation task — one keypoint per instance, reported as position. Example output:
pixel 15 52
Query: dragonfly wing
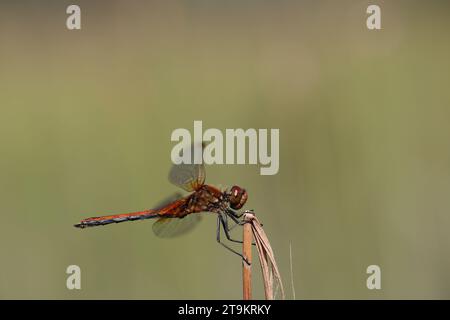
pixel 167 201
pixel 189 176
pixel 174 209
pixel 173 227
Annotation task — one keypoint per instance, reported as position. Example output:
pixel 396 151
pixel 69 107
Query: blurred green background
pixel 85 125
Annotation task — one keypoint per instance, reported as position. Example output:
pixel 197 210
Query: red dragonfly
pixel 180 215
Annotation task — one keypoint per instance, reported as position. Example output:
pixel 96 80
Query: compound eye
pixel 237 197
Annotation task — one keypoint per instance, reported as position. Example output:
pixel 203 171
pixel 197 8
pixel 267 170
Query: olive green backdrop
pixel 86 118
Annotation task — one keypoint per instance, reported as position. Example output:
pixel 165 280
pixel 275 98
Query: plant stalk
pixel 247 267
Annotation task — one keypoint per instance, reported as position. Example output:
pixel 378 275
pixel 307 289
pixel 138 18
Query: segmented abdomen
pixel 117 218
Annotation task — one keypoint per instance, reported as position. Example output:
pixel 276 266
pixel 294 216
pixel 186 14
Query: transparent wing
pixel 190 177
pixel 165 202
pixel 173 227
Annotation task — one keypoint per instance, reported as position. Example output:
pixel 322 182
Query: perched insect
pixel 180 215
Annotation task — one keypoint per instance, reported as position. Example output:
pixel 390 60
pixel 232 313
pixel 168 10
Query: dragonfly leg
pixel 226 228
pixel 219 222
pixel 235 217
pixel 234 214
pixel 237 223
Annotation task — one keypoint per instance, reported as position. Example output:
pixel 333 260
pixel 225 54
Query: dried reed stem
pixel 247 267
pixel 271 274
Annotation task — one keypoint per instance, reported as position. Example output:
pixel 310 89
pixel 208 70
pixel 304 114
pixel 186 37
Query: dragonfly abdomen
pixel 104 220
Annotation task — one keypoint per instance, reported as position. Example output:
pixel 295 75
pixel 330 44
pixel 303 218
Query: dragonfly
pixel 182 214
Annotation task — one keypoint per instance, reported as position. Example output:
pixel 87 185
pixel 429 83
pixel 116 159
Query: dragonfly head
pixel 237 196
